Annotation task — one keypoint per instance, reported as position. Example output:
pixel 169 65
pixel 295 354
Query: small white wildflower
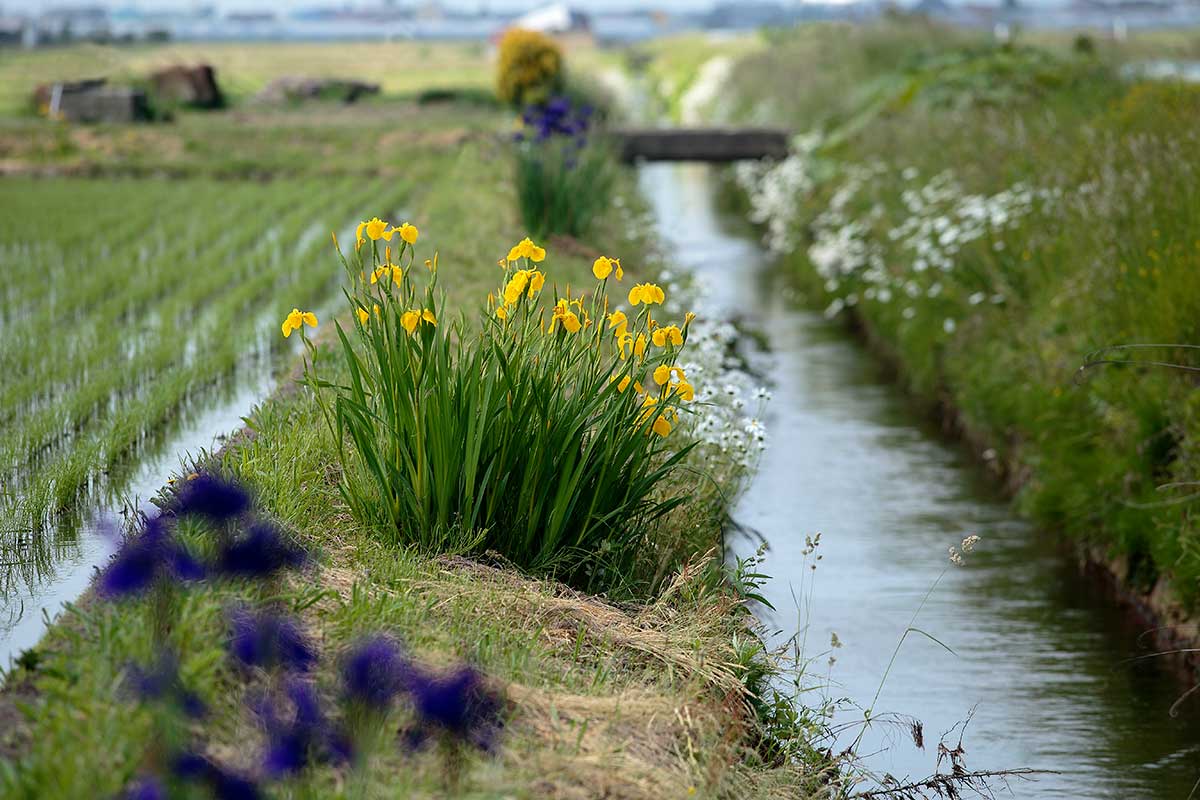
pixel 949 325
pixel 955 558
pixel 762 393
pixel 909 312
pixel 976 298
pixel 968 544
pixel 997 299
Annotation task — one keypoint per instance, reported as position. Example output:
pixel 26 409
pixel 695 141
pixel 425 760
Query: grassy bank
pixel 992 215
pixel 658 692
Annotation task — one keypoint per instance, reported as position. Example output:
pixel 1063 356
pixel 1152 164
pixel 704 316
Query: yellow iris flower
pixel 410 319
pixel 296 319
pixel 684 390
pixel 603 266
pixel 516 286
pixel 363 315
pixel 407 232
pixel 376 229
pixel 526 249
pixel 563 313
pixel 618 323
pixel 358 237
pixel 536 281
pixel 661 426
pixel 647 293
pixel 662 374
pixel 670 333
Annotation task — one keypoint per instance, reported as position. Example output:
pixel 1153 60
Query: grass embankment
pixel 648 698
pixel 990 215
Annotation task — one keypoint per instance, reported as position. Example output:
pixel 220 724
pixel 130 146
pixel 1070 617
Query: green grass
pixel 991 322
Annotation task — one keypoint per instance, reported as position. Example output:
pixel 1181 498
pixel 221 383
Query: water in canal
pixel 1039 652
pixel 37 592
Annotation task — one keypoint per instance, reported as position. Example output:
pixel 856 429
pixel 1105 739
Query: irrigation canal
pixel 1040 653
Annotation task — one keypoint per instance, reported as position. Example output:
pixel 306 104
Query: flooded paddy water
pixel 46 570
pixel 1040 658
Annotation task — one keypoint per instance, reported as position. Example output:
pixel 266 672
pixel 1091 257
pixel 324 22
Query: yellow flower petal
pixel 602 267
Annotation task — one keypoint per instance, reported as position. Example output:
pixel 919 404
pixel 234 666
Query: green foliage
pixel 562 188
pixel 519 435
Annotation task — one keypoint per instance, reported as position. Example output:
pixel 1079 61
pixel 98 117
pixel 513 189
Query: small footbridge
pixel 718 145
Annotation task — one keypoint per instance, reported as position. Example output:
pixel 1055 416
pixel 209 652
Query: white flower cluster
pixel 776 190
pixel 913 259
pixel 726 416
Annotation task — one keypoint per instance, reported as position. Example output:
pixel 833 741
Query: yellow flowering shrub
pixel 530 67
pixel 543 431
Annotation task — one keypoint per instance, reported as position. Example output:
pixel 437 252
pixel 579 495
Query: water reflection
pixel 1040 651
pixel 55 567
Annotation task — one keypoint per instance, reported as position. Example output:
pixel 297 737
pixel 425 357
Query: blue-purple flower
pixel 147 788
pixel 146 557
pixel 557 119
pixel 212 497
pixel 459 704
pixel 375 671
pixel 261 552
pixel 224 784
pixel 268 640
pixel 298 733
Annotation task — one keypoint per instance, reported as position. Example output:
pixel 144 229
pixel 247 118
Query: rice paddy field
pixel 151 294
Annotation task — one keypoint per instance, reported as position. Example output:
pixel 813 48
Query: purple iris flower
pixel 268 640
pixel 212 497
pixel 375 671
pixel 260 553
pixel 224 784
pixel 144 558
pixel 148 788
pixel 298 733
pixel 459 704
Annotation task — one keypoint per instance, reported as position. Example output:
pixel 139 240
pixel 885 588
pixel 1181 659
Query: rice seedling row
pixel 183 320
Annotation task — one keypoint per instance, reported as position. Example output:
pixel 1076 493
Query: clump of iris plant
pixel 562 182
